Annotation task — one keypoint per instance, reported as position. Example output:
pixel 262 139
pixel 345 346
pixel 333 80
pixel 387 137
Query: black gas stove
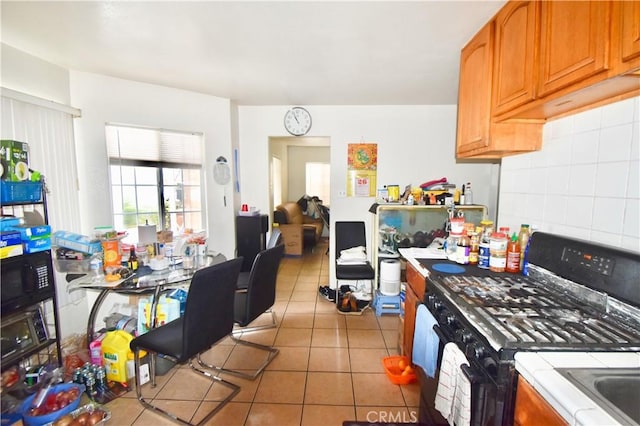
pixel 578 296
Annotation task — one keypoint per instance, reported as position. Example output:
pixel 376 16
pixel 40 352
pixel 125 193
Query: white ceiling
pixel 263 52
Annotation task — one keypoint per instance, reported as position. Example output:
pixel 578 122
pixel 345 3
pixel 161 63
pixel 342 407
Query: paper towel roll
pixel 147 234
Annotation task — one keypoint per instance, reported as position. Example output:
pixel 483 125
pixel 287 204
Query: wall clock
pixel 297 121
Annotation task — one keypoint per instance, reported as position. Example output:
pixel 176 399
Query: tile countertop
pixel 538 368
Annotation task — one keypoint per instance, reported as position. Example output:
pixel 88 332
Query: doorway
pixel 288 157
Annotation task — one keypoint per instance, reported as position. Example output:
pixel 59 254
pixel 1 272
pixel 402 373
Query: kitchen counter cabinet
pixel 416 285
pixel 574 406
pixel 532 409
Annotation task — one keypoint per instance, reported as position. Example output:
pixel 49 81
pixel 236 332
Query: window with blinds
pixel 155 178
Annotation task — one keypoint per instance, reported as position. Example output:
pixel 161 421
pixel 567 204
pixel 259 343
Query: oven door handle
pixel 472 376
pixel 440 334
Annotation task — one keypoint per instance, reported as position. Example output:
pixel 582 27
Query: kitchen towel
pixel 425 342
pixel 453 397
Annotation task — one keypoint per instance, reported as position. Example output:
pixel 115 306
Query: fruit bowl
pixel 62 389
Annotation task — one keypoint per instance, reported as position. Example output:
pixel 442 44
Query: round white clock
pixel 297 121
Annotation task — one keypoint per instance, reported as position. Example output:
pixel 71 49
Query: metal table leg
pixel 92 315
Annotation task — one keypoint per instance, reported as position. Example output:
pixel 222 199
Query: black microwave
pixel 26 280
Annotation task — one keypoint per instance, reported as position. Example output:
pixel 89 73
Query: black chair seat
pixel 168 342
pixel 355 272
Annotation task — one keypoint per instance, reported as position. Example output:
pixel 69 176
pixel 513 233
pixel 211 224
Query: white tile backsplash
pixel 615 143
pixel 584 182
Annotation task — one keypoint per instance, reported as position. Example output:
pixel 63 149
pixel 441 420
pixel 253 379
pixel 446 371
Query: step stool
pixel 387 304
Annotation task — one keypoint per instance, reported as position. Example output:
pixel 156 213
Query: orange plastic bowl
pixel 397 375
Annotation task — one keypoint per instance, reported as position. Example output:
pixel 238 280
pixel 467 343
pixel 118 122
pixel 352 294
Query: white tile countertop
pixel 539 369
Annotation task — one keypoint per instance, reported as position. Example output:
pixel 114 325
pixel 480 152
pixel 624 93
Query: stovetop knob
pixel 476 350
pixel 464 336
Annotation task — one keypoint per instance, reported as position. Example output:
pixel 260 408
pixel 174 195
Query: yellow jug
pixel 115 352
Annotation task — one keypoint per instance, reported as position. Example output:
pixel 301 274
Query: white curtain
pixel 49 133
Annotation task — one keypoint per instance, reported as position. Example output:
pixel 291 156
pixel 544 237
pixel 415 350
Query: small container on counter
pixel 498 252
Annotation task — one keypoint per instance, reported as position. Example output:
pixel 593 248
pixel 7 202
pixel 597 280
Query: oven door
pixel 484 390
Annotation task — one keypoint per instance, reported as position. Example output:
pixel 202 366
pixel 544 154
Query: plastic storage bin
pixel 54 415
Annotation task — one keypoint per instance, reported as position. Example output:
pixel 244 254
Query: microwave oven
pixel 23 333
pixel 26 280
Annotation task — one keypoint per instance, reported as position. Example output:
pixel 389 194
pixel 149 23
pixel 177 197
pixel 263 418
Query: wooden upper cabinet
pixel 626 33
pixel 474 91
pixel 516 34
pixel 574 42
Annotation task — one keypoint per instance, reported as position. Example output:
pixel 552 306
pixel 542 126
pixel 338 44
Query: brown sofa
pixel 298 230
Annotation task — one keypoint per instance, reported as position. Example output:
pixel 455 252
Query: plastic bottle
pixel 462 251
pixel 498 250
pixel 513 255
pixel 484 253
pixel 468 195
pixel 474 245
pixel 96 267
pixel 523 240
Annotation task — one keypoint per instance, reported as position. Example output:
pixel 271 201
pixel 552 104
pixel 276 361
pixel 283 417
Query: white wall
pixel 31 75
pixel 111 100
pixel 415 144
pixel 585 182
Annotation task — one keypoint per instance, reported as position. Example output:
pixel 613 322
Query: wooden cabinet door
pixel 626 27
pixel 574 42
pixel 516 33
pixel 410 307
pixel 532 409
pixel 474 91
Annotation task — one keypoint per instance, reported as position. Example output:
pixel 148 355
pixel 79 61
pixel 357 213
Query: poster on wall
pixel 362 169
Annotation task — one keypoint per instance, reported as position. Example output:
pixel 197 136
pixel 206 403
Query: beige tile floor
pixel 329 368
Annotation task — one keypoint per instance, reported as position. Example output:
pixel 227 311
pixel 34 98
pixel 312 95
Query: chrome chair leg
pixel 145 403
pixel 271 351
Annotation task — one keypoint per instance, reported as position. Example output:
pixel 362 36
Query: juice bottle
pixel 513 254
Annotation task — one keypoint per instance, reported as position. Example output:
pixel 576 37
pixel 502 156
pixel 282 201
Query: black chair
pixel 255 295
pixel 208 318
pixel 348 235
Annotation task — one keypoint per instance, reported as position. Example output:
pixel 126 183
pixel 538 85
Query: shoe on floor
pixel 327 293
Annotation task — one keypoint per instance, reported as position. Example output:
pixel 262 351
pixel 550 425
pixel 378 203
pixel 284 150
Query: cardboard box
pixel 292 237
pixel 32 232
pixel 10 238
pixel 34 246
pixel 10 251
pixel 15 160
pixel 77 242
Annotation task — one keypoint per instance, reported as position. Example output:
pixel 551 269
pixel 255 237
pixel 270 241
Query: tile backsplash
pixel 585 182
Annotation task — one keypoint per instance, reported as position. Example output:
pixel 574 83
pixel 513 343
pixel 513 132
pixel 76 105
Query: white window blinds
pixel 157 145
